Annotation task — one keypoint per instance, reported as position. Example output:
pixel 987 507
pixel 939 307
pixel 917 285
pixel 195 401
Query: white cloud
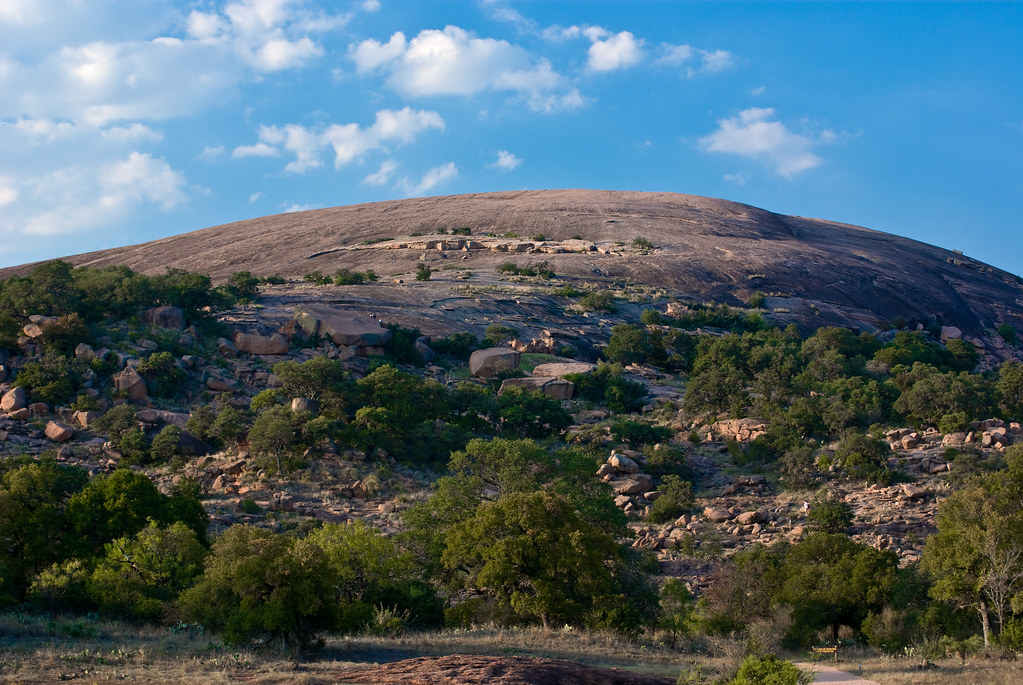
pixel 8 193
pixel 211 154
pixel 695 60
pixel 430 180
pixel 754 135
pixel 759 90
pixel 91 196
pixel 383 174
pixel 454 62
pixel 370 5
pixel 257 150
pixel 291 209
pixel 506 161
pixel 254 197
pixel 613 51
pixel 348 141
pixel 133 133
pixel 737 179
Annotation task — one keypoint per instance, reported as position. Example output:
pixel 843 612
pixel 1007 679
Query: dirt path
pixel 833 676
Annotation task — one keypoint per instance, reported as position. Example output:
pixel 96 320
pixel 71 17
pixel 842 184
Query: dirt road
pixel 831 675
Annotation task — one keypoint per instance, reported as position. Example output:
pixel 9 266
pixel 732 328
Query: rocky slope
pixel 814 272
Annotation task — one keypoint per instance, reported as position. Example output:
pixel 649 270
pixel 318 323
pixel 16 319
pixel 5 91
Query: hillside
pixel 815 272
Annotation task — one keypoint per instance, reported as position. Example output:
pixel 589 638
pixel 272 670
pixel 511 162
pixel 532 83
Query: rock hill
pixel 814 272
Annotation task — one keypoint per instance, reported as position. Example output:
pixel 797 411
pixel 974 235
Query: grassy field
pixel 35 649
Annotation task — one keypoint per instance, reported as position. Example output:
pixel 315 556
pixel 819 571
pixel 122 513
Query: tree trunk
pixel 985 624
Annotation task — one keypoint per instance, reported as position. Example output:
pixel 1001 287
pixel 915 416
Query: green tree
pixel 531 414
pixel 259 586
pixel 976 557
pixel 535 556
pixel 675 497
pixel 54 379
pixel 163 375
pixel 34 532
pixel 275 437
pixel 831 581
pixel 829 515
pixel 1009 389
pixel 140 575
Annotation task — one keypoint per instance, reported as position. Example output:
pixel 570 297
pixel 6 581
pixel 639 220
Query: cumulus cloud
pixel 754 134
pixel 506 161
pixel 257 150
pixel 211 153
pixel 348 141
pixel 383 175
pixel 454 62
pixel 612 51
pixel 694 60
pixel 90 196
pixel 430 180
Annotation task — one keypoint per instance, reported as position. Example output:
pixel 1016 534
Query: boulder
pixel 162 417
pixel 742 430
pixel 217 384
pixel 14 399
pixel 226 347
pixel 85 418
pixel 84 351
pixel 37 409
pixel 950 333
pixel 637 484
pixel 164 317
pixel 425 351
pixel 911 491
pixel 562 369
pixel 253 343
pixel 552 387
pixel 623 464
pixel 716 515
pixel 341 327
pixel 748 518
pixel 304 404
pixel 131 384
pixel 32 330
pixel 59 432
pixel 493 361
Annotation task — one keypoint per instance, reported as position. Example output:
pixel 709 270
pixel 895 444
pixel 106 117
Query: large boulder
pixel 131 384
pixel 14 399
pixel 634 485
pixel 59 432
pixel 552 387
pixel 164 317
pixel 340 326
pixel 562 369
pixel 493 361
pixel 254 343
pixel 160 417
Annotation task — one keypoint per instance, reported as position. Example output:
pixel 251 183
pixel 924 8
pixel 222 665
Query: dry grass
pixel 35 649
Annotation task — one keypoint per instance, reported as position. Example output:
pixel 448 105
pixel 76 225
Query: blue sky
pixel 123 121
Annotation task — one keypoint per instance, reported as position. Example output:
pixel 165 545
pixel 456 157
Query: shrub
pixel 675 499
pixel 829 515
pixel 641 243
pixel 162 373
pixel 597 301
pixel 756 300
pixel 459 345
pixel 636 433
pixel 769 670
pixel 1008 333
pixel 498 334
pixel 243 286
pixel 317 278
pixel 53 379
pixel 262 586
pixel 165 444
pixel 423 272
pixel 63 335
pixel 864 457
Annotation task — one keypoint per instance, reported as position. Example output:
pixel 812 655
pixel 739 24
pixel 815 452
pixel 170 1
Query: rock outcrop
pixel 493 361
pixel 341 327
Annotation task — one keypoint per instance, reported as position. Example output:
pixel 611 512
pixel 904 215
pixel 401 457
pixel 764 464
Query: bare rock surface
pixel 459 669
pixel 819 272
pixel 492 361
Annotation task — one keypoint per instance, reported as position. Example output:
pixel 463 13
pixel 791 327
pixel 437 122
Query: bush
pixel 317 278
pixel 1008 333
pixel 243 286
pixel 769 670
pixel 641 243
pixel 636 433
pixel 497 334
pixel 459 345
pixel 423 272
pixel 163 375
pixel 865 457
pixel 829 515
pixel 597 301
pixel 675 499
pixel 53 379
pixel 258 586
pixel 165 444
pixel 63 335
pixel 756 300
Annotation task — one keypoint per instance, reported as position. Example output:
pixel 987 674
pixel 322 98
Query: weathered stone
pixel 913 491
pixel 623 464
pixel 554 388
pixel 637 484
pixel 84 351
pixel 218 384
pixel 748 518
pixel 562 369
pixel 742 430
pixel 226 347
pixel 59 432
pixel 131 384
pixel 424 350
pixel 32 330
pixel 253 343
pixel 304 404
pixel 14 399
pixel 950 333
pixel 716 515
pixel 164 317
pixel 908 442
pixel 84 418
pixel 37 409
pixel 162 417
pixel 234 468
pixel 493 361
pixel 340 326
